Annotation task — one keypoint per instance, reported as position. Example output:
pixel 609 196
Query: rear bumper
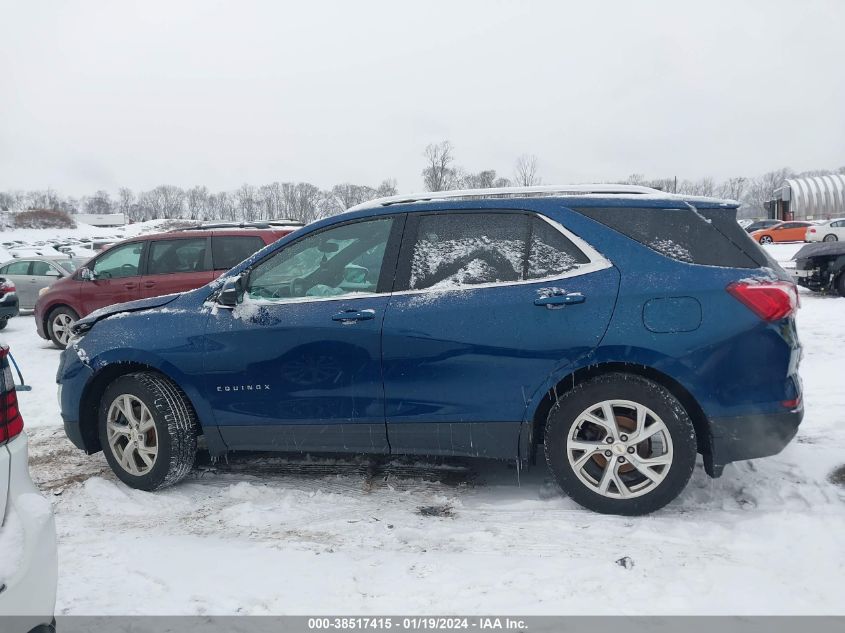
pixel 749 437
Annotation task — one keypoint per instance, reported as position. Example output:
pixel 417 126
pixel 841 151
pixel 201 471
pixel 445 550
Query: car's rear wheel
pixel 831 238
pixel 840 284
pixel 58 325
pixel 766 239
pixel 620 444
pixel 148 430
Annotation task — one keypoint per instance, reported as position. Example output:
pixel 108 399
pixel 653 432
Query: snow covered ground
pixel 262 536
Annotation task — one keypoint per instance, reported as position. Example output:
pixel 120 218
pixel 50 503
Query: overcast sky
pixel 108 94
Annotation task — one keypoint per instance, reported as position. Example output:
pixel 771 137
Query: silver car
pixel 31 274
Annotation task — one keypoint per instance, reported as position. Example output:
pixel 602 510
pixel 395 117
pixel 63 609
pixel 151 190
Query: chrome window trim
pixel 597 262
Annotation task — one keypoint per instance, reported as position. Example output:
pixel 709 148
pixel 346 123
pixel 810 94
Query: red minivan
pixel 148 266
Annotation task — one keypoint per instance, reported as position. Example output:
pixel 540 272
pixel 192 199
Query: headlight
pixel 43 290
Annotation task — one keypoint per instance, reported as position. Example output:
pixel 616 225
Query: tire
pixel 170 426
pixel 3 323
pixel 840 284
pixel 58 325
pixel 581 473
pixel 831 238
pixel 766 239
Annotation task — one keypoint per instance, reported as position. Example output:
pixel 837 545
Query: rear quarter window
pixel 682 234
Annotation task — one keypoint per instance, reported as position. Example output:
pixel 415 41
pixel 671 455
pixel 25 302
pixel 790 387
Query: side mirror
pixel 86 274
pixel 230 292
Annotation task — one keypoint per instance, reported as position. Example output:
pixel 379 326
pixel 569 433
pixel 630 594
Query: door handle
pixel 149 284
pixel 130 286
pixel 348 316
pixel 560 300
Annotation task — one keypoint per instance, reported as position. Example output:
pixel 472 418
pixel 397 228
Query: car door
pixel 486 307
pixel 297 364
pixel 176 265
pixel 117 278
pixel 43 274
pixel 18 273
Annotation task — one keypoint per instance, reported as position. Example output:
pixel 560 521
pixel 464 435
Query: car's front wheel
pixel 766 239
pixel 59 324
pixel 620 444
pixel 148 430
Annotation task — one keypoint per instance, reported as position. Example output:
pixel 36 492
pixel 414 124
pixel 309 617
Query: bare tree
pixel 439 174
pixel 525 171
pixel 196 202
pixel 732 188
pixel 761 189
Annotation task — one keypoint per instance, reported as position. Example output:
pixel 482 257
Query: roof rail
pixel 514 192
pixel 266 224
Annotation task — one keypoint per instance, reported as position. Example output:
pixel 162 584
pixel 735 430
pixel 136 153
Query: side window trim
pixel 388 263
pixel 597 261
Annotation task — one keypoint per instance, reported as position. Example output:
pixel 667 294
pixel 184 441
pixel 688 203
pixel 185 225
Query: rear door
pixel 117 278
pixel 487 306
pixel 176 265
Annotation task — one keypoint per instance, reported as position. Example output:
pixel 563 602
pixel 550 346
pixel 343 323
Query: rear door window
pixel 177 256
pixel 455 250
pixel 230 250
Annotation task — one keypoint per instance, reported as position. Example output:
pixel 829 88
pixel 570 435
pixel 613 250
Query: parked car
pixel 9 303
pixel 615 333
pixel 146 266
pixel 782 232
pixel 821 267
pixel 758 225
pixel 28 560
pixel 32 275
pixel 829 231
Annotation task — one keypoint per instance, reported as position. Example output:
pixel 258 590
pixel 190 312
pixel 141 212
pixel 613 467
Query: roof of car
pixel 618 194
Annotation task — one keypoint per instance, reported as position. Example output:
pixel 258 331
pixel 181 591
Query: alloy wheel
pixel 619 449
pixel 61 327
pixel 132 434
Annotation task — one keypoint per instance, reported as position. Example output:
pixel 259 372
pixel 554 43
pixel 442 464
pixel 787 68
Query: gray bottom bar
pixel 530 624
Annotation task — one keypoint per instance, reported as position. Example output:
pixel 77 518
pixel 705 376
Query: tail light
pixel 11 422
pixel 811 231
pixel 769 300
pixel 7 286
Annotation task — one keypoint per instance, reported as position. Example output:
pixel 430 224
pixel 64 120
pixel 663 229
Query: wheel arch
pixel 92 394
pixel 582 374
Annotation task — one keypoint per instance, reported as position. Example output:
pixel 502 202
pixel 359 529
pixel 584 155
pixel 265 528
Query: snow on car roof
pixel 594 190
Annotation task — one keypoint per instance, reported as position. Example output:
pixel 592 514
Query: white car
pixel 829 231
pixel 28 561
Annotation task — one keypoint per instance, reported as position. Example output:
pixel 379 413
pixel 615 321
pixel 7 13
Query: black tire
pixel 3 323
pixel 175 429
pixel 831 238
pixel 766 240
pixel 630 387
pixel 840 284
pixel 58 339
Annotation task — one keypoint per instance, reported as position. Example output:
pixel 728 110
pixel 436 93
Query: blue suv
pixel 618 330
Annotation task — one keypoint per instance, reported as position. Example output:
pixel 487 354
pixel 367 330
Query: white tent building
pixel 811 198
